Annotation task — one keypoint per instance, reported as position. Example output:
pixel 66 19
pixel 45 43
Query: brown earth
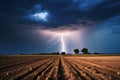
pixel 58 67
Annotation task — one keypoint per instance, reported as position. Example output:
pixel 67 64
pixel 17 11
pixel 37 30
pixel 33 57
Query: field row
pixel 59 68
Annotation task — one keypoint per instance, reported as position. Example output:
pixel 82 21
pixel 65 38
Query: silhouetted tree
pixel 63 53
pixel 76 51
pixel 85 51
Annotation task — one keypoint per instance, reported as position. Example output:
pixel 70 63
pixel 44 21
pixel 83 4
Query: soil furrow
pixel 100 70
pixel 46 73
pixel 18 64
pixel 59 67
pixel 78 73
pixel 20 70
pixel 87 73
pixel 29 72
pixel 61 70
pixel 36 77
pixel 53 75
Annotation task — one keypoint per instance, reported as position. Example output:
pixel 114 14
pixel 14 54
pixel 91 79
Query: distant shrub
pixel 63 53
pixel 76 51
pixel 85 51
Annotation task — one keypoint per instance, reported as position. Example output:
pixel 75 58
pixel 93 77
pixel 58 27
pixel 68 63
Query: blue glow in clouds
pixel 41 16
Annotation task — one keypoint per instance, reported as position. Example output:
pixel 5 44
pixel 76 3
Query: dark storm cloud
pixel 71 12
pixel 113 24
pixel 17 7
pixel 62 12
pixel 17 20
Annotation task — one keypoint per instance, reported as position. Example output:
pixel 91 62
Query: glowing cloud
pixel 41 16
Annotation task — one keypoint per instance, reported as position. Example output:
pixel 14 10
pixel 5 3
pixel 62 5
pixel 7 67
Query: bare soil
pixel 58 67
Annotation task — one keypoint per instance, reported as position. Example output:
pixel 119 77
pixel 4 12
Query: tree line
pixel 84 51
pixel 76 51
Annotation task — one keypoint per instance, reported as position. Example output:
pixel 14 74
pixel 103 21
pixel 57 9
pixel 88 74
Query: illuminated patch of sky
pixel 41 16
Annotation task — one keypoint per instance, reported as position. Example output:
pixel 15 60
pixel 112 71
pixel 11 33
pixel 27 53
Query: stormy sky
pixel 23 23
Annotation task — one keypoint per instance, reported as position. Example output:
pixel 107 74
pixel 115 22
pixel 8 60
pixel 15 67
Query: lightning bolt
pixel 58 38
pixel 63 47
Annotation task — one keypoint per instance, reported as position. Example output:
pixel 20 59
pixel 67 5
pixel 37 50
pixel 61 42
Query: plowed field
pixel 59 67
